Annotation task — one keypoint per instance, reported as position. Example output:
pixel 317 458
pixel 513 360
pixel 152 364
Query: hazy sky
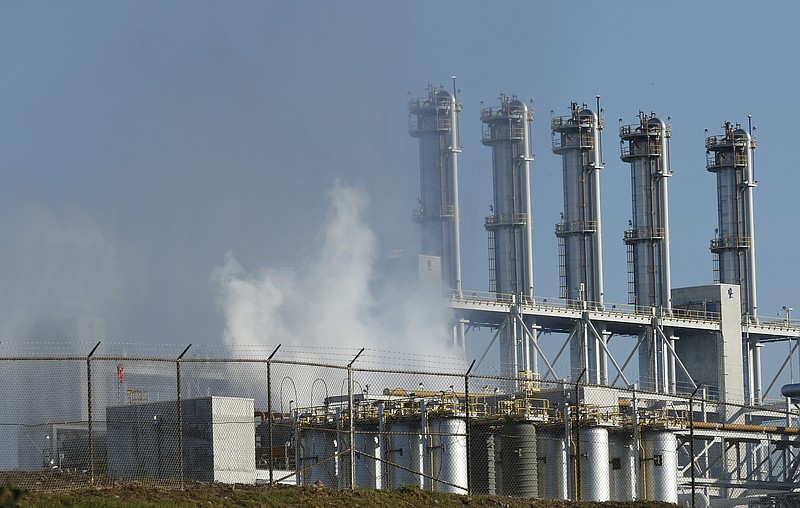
pixel 141 141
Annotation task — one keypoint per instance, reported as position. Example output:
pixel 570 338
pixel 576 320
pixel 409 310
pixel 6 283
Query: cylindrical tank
pixel 506 130
pixel 594 464
pixel 449 454
pixel 661 466
pixel 553 466
pixel 730 156
pixel 482 459
pixel 646 147
pixel 368 470
pixel 577 139
pixel 318 453
pixel 434 121
pixel 518 460
pixel 622 475
pixel 405 453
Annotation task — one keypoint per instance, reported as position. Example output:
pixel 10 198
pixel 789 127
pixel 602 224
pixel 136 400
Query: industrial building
pixel 703 340
pixel 693 424
pixel 212 436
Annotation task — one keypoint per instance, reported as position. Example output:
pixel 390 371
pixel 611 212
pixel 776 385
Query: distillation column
pixel 730 156
pixel 577 138
pixel 646 147
pixel 434 121
pixel 507 130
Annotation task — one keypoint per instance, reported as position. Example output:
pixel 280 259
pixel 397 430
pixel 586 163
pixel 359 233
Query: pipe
pixel 753 307
pixel 454 150
pixel 742 427
pixel 665 173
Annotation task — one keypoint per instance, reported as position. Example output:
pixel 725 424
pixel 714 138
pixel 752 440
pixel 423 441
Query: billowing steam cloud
pixel 331 299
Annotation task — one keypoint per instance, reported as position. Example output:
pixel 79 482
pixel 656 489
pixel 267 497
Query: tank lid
pixel 791 390
pixel 516 103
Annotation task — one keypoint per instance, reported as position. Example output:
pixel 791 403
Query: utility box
pixel 218 440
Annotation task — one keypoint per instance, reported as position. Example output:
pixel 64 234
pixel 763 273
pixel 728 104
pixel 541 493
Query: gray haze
pixel 142 141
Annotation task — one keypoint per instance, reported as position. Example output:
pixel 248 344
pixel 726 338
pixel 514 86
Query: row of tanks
pixel 514 445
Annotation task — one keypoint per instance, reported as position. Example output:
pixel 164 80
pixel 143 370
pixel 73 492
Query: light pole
pixel 788 310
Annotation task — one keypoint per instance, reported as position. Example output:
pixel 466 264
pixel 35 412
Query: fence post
pixel 269 410
pixel 180 415
pixel 691 438
pixel 466 412
pixel 89 410
pixel 637 449
pixel 578 479
pixel 351 415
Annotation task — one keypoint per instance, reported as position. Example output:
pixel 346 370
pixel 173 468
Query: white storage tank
pixel 449 454
pixel 594 464
pixel 622 475
pixel 553 467
pixel 404 449
pixel 368 470
pixel 318 454
pixel 661 466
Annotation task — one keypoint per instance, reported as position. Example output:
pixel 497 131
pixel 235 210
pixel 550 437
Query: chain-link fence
pixel 343 418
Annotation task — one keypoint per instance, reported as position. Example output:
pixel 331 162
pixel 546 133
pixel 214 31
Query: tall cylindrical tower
pixel 434 121
pixel 646 147
pixel 577 139
pixel 730 156
pixel 507 130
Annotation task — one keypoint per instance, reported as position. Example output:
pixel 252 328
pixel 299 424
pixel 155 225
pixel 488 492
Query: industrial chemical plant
pixel 700 341
pixel 681 415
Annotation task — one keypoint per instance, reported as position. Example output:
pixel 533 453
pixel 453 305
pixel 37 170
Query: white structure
pixel 218 440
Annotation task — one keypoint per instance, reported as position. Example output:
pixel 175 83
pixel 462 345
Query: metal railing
pixel 576 226
pixel 572 307
pixel 731 242
pixel 506 219
pixel 648 149
pixel 644 233
pixel 716 160
pixel 502 132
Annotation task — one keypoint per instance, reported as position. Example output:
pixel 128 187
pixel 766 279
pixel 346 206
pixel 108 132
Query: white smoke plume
pixel 331 299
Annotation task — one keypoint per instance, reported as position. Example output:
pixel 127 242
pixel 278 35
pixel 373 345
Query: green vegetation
pixel 282 496
pixel 9 496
